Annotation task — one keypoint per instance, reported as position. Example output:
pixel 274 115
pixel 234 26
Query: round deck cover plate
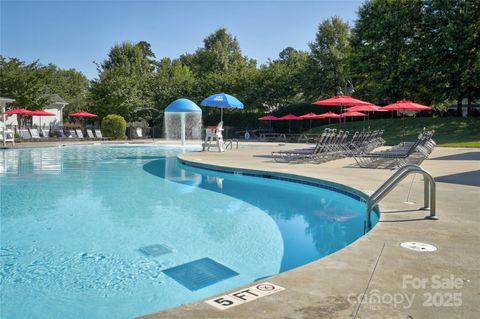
pixel 418 246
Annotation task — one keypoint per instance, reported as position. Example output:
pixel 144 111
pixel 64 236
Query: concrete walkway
pixel 375 277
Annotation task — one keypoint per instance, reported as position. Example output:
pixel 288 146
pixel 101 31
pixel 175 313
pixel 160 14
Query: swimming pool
pixel 100 231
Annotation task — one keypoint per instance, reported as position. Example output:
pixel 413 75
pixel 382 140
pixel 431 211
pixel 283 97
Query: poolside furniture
pixel 24 134
pixel 44 133
pixel 9 135
pixel 139 132
pixel 79 133
pixel 90 134
pixel 402 154
pixel 99 135
pixel 34 133
pixel 70 134
pixel 59 133
pixel 213 134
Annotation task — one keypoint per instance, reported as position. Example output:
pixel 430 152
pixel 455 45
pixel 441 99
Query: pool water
pixel 93 231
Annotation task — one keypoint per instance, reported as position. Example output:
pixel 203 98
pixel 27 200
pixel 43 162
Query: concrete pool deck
pixel 375 277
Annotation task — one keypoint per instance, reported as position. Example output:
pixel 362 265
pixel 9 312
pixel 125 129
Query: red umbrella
pixel 352 114
pixel 341 100
pixel 290 117
pixel 17 111
pixel 405 105
pixel 328 115
pixel 40 113
pixel 309 116
pixel 365 108
pixel 82 114
pixel 269 118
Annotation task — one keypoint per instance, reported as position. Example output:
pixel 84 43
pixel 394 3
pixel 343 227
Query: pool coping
pixel 313 290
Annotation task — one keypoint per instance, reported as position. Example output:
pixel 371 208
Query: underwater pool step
pixel 200 273
pixel 155 250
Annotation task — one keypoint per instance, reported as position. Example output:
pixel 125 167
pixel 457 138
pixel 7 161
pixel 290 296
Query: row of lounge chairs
pixel 334 145
pixel 42 134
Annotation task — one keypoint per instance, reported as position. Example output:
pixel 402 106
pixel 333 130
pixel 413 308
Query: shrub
pixel 114 126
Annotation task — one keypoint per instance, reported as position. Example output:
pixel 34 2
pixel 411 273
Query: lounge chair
pixel 24 134
pixel 70 134
pixel 413 152
pixel 34 133
pixel 79 133
pixel 99 135
pixel 90 134
pixel 59 133
pixel 45 133
pixel 139 132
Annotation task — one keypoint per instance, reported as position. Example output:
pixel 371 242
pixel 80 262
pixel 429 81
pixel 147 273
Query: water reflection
pixel 313 222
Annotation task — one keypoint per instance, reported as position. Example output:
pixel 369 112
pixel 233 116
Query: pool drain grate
pixel 200 273
pixel 155 250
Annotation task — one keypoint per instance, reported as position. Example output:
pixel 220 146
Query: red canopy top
pixel 352 114
pixel 17 111
pixel 269 118
pixel 341 100
pixel 366 108
pixel 40 113
pixel 289 117
pixel 405 105
pixel 309 116
pixel 328 115
pixel 82 114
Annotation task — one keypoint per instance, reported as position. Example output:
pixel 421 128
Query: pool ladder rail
pixel 429 191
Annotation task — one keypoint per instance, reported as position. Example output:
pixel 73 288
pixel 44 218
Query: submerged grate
pixel 155 250
pixel 200 273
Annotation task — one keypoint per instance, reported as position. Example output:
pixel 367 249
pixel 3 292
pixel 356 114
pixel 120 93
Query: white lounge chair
pixel 45 133
pixel 139 132
pixel 90 134
pixel 24 134
pixel 79 133
pixel 34 133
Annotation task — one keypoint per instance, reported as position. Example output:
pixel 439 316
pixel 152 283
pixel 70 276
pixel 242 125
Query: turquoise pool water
pixel 74 221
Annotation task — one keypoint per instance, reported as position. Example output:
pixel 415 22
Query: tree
pixel 281 81
pixel 330 52
pixel 384 50
pixel 70 84
pixel 24 83
pixel 124 83
pixel 450 49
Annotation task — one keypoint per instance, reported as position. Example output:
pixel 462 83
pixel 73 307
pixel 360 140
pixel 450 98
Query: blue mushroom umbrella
pixel 222 101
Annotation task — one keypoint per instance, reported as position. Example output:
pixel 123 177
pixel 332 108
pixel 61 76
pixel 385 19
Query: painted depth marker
pixel 245 295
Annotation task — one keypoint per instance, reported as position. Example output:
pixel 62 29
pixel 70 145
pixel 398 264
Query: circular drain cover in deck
pixel 418 246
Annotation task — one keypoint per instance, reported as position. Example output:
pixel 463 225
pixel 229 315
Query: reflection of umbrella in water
pixel 405 105
pixel 290 117
pixel 222 101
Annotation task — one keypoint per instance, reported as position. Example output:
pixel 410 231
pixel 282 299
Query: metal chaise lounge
pixel 391 158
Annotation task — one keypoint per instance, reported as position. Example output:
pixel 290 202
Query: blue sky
pixel 72 34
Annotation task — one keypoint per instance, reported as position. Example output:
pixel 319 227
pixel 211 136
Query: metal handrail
pixel 429 191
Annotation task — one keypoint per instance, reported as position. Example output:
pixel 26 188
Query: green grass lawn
pixel 449 131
